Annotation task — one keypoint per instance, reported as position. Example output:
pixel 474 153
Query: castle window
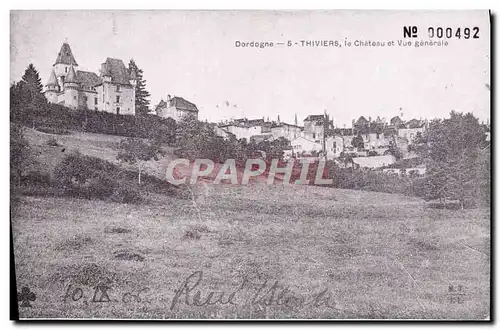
pixel 95 101
pixel 74 97
pixel 117 110
pixel 117 98
pixel 117 88
pixel 85 99
pixel 66 69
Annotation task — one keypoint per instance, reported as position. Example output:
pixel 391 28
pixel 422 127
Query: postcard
pixel 251 165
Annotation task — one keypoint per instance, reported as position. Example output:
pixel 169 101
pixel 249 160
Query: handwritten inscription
pixel 100 294
pixel 192 292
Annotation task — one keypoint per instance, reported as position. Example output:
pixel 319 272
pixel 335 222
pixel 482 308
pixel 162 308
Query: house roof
pixel 281 124
pixel 89 79
pixel 65 56
pixel 133 75
pixel 414 123
pixel 179 103
pixel 361 121
pixel 71 77
pixel 395 119
pixel 255 122
pixel 115 68
pixel 52 79
pixel 314 117
pixel 183 104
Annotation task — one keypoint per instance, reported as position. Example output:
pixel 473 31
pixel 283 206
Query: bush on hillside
pixel 88 177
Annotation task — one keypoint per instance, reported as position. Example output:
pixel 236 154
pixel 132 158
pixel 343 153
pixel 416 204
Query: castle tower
pixel 106 86
pixel 52 89
pixel 133 82
pixel 133 78
pixel 64 61
pixel 71 89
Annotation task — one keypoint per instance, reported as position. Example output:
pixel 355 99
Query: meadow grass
pixel 378 255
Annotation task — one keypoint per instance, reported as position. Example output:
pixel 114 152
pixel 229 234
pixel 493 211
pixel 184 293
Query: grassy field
pixel 341 254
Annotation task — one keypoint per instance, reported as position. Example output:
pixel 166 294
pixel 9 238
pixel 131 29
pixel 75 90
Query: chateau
pixel 176 108
pixel 113 90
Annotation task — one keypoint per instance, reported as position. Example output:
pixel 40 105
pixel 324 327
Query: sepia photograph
pixel 250 164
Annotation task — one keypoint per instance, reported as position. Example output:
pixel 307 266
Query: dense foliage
pixel 458 160
pixel 197 139
pixel 141 94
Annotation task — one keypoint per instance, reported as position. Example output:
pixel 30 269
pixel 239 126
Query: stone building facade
pixel 113 90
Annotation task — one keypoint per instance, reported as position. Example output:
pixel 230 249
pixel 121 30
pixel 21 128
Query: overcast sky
pixel 193 55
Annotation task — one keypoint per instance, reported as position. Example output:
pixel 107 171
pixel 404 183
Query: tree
pixel 141 94
pixel 34 87
pixel 452 148
pixel 197 139
pixel 136 151
pixel 357 142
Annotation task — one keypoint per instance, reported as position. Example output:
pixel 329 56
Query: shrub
pixel 77 169
pixel 93 178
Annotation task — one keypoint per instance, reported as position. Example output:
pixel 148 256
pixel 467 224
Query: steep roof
pixel 52 79
pixel 361 121
pixel 182 104
pixel 116 69
pixel 314 117
pixel 86 78
pixel 415 123
pixel 65 56
pixel 162 104
pixel 395 119
pixel 71 77
pixel 133 75
pixel 179 103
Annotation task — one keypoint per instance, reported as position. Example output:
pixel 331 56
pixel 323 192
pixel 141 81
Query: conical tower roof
pixel 71 78
pixel 65 56
pixel 133 75
pixel 52 80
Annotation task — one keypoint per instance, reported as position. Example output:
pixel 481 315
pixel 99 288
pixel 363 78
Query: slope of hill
pixel 96 145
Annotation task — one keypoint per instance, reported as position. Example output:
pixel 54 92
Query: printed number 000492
pixel 448 33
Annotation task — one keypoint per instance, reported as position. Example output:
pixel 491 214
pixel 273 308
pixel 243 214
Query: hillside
pixel 96 145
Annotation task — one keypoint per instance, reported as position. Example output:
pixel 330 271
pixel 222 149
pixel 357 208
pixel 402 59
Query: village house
pixel 288 131
pixel 411 129
pixel 112 91
pixel 302 145
pixel 176 108
pixel 243 129
pixel 334 146
pixel 314 128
